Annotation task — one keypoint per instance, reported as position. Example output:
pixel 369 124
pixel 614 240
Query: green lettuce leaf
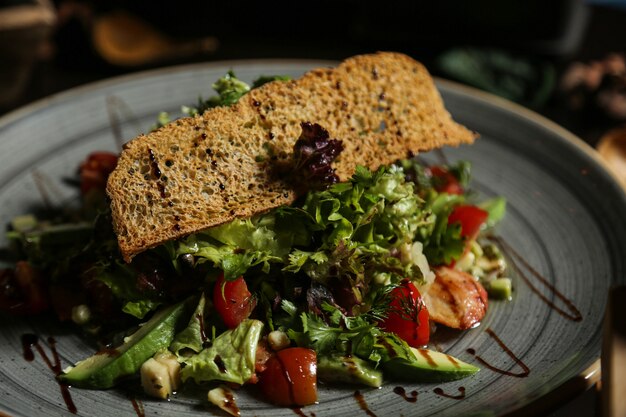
pixel 442 242
pixel 237 246
pixel 357 224
pixel 496 207
pixel 194 335
pixel 140 308
pixel 230 358
pixel 264 79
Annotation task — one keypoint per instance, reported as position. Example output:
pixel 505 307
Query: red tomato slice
pixel 408 315
pixel 290 377
pixel 233 301
pixel 95 170
pixel 471 218
pixel 445 182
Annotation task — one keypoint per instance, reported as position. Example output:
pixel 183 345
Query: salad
pixel 344 286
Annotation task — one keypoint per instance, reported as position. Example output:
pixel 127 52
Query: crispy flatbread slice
pixel 202 171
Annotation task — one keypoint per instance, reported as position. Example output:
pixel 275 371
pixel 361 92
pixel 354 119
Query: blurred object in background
pixel 25 27
pixel 609 3
pixel 88 34
pixel 612 147
pixel 591 93
pixel 123 39
pixel 516 77
pixel 549 28
pixel 510 48
pixel 597 87
pixel 516 49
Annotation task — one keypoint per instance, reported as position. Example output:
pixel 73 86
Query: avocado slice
pixel 428 366
pixel 349 369
pixel 500 289
pixel 105 368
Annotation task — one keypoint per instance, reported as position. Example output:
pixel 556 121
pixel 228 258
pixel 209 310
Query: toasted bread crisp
pixel 203 171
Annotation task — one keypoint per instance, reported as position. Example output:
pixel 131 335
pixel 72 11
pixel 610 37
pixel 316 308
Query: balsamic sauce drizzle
pixel 426 355
pixel 138 407
pixel 298 411
pixel 442 157
pixel 517 261
pixel 114 120
pixel 115 106
pixel 203 335
pixel 525 369
pixel 41 185
pixel 29 341
pixel 441 393
pixel 230 403
pixel 411 397
pixel 360 399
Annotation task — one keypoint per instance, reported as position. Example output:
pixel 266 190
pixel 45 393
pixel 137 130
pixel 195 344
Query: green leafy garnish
pixel 194 335
pixel 230 358
pixel 229 90
pixel 496 207
pixel 264 79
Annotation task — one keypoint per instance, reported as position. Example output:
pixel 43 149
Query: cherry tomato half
pixel 445 181
pixel 95 170
pixel 408 315
pixel 471 218
pixel 233 301
pixel 290 377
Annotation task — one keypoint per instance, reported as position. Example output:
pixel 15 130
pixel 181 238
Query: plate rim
pixel 60 96
pixel 537 119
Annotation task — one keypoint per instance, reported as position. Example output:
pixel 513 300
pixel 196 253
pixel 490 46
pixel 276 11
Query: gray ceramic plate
pixel 566 218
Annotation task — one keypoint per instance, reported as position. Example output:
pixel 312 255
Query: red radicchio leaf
pixel 314 153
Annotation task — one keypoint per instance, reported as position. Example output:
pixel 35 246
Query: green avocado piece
pixel 105 368
pixel 428 366
pixel 349 369
pixel 500 289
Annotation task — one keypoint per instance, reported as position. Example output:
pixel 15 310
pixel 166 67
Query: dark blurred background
pixel 563 58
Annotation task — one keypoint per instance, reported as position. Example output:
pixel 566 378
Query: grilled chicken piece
pixel 456 299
